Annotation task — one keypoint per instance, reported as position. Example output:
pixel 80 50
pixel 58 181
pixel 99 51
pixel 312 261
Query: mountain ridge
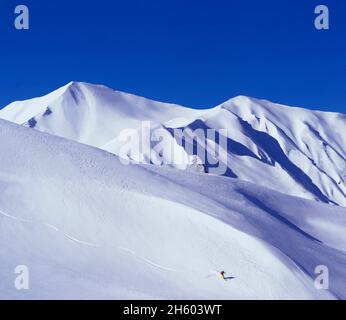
pixel 299 151
pixel 237 97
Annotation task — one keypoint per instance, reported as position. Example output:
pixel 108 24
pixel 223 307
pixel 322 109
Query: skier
pixel 222 273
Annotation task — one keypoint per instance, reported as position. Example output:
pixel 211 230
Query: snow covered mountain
pixel 297 151
pixel 88 227
pixel 91 114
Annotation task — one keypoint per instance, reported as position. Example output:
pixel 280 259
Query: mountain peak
pixel 278 140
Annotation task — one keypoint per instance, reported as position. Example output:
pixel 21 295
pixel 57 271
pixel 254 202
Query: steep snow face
pixel 87 226
pixel 308 145
pixel 299 152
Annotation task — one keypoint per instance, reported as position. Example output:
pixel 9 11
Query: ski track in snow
pixel 89 244
pixel 147 260
pixel 11 217
pixel 71 237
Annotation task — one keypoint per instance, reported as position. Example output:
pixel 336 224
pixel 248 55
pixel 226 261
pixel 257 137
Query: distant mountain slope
pixel 89 227
pixel 91 114
pixel 297 151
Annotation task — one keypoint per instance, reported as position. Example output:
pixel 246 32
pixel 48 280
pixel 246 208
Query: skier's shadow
pixel 229 278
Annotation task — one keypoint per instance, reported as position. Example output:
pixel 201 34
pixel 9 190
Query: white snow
pixel 88 226
pixel 297 151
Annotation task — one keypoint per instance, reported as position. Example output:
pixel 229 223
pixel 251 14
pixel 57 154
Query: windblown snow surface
pixel 88 226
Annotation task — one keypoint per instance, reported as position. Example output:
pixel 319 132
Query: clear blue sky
pixel 195 53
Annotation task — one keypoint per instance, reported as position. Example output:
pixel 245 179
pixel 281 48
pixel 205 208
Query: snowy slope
pixel 299 152
pixel 91 114
pixel 89 227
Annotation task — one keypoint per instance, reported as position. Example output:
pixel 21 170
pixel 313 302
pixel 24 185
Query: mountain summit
pixel 297 151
